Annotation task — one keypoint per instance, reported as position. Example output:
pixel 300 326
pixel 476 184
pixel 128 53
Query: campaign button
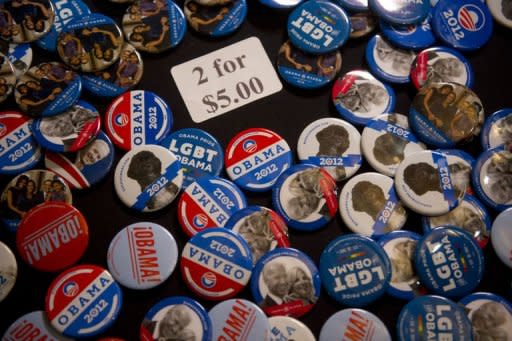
pixel 34 324
pixel 256 157
pixel 199 152
pixel 208 202
pixel 136 118
pixel 413 36
pixel 501 238
pixel 463 163
pixel 20 56
pixel 7 78
pixel 83 301
pixel 176 318
pixel 47 89
pixel 497 130
pixel 148 178
pixel 154 26
pixel 216 264
pixel 69 131
pixel 401 11
pixel 216 20
pixel 332 144
pixel 52 236
pixel 8 271
pixel 142 255
pixel 26 21
pixel 347 324
pixel 286 328
pixel 19 149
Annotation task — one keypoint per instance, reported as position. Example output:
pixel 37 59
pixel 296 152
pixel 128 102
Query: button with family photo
pixel 154 26
pixel 465 25
pixel 65 307
pixel 7 77
pixel 251 321
pixel 218 18
pixel 501 238
pixel 148 178
pixel 370 206
pixel 387 140
pixel 69 131
pixel 199 152
pixel 400 246
pixel 413 36
pixel 263 229
pixel 90 43
pixel 8 271
pixel 318 27
pixel 306 196
pixel 332 144
pixel 20 56
pixel 305 70
pixel 387 62
pixel 25 21
pixel 490 315
pixel 286 328
pixel 65 11
pixel 52 236
pixel 19 149
pixel 501 10
pixel 355 270
pixel 497 130
pixel 433 315
pixel 117 78
pixel 441 64
pixel 28 190
pixel 142 255
pixel 429 183
pixel 351 323
pixel 451 260
pixel 286 282
pixel 399 11
pixel 492 178
pixel 256 157
pixel 361 24
pixel 278 4
pixel 176 318
pixel 47 89
pixel 358 96
pixel 208 202
pixel 28 325
pixel 216 263
pixel 137 118
pixel 353 5
pixel 471 215
pixel 445 114
pixel 86 167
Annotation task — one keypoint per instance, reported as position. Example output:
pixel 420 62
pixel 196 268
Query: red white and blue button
pixel 34 324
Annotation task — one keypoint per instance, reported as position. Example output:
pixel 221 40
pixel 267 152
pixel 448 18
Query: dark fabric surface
pixel 287 113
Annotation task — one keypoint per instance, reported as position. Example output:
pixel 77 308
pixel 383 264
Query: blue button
pixel 355 270
pixel 401 11
pixel 215 21
pixel 318 27
pixel 497 129
pixel 20 56
pixel 354 323
pixel 413 36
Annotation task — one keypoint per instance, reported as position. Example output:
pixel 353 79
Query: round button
pixel 8 271
pixel 220 19
pixel 137 118
pixel 148 178
pixel 20 56
pixel 142 255
pixel 332 144
pixel 370 206
pixel 306 196
pixel 287 328
pixel 350 322
pixel 400 11
pixel 413 36
pixel 452 262
pixel 501 237
pixel 27 20
pixel 500 10
pixel 52 236
pixel 285 282
pixel 496 130
pixel 7 78
pixel 34 323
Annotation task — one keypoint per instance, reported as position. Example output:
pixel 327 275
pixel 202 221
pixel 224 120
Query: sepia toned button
pixel 26 20
pixel 217 19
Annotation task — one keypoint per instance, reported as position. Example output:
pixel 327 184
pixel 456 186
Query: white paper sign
pixel 226 79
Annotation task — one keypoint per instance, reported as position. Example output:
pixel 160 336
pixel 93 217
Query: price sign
pixel 226 79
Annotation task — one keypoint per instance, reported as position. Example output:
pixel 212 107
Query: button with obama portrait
pixel 353 323
pixel 430 183
pixel 262 228
pixel 370 206
pixel 28 190
pixel 47 89
pixel 32 324
pixel 7 77
pixel 497 130
pixel 306 196
pixel 286 282
pixel 69 131
pixel 215 18
pixel 332 144
pixel 154 26
pixel 90 43
pixel 52 236
pixel 387 140
pixel 25 21
pixel 86 167
pixel 176 318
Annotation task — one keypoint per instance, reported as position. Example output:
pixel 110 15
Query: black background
pixel 287 113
